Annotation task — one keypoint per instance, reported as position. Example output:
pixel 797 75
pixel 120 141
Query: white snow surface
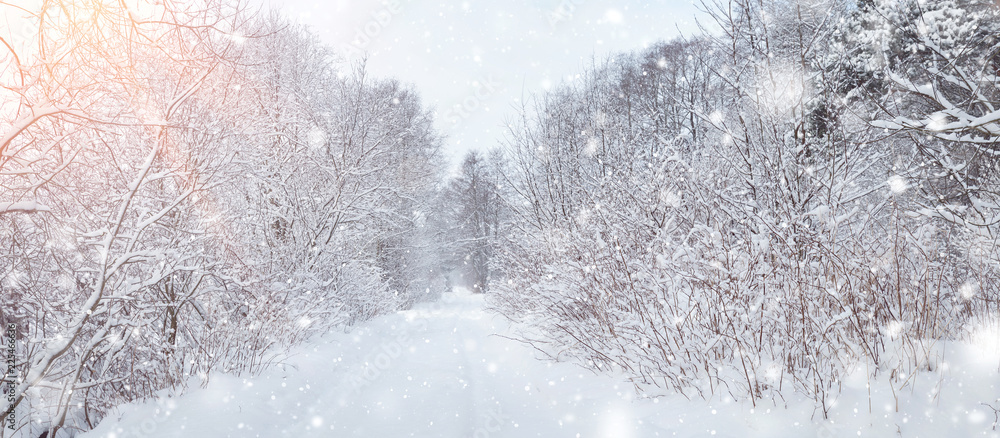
pixel 446 369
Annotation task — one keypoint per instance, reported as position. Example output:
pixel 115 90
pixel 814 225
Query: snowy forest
pixel 807 193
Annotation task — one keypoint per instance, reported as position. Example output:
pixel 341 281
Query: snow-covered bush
pixel 727 219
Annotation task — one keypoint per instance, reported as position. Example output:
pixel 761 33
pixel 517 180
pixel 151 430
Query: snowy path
pixel 438 371
pixel 434 371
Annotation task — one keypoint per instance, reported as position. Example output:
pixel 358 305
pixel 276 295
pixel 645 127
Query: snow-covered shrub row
pixel 758 213
pixel 193 189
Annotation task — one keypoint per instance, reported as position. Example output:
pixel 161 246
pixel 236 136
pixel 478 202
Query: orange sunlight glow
pixel 105 67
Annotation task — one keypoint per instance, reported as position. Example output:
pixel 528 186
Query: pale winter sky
pixel 474 61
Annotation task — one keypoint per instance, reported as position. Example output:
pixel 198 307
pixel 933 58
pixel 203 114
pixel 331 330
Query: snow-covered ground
pixel 445 369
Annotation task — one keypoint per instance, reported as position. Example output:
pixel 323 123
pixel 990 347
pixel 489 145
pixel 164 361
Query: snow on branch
pixel 23 207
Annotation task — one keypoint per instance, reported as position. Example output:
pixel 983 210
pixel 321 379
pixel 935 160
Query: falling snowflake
pixel 968 290
pixel 716 117
pixel 614 16
pixel 894 328
pixel 937 122
pixel 670 198
pixel 316 138
pixel 897 184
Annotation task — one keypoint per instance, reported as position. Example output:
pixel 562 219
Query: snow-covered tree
pixel 472 214
pixel 938 62
pixel 189 188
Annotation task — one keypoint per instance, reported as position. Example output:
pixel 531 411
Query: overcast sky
pixel 473 61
